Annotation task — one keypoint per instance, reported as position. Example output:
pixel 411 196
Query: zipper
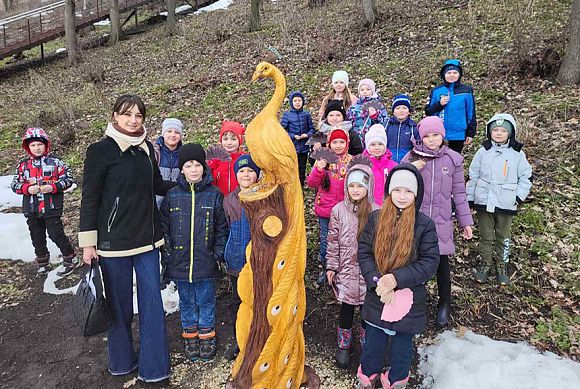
pixel 432 185
pixel 191 242
pixel 229 175
pixel 398 139
pixel 153 202
pixel 113 214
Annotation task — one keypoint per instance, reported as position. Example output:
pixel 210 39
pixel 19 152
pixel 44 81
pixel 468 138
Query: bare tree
pixel 569 73
pixel 116 31
pixel 171 23
pixel 316 3
pixel 370 12
pixel 255 15
pixel 72 44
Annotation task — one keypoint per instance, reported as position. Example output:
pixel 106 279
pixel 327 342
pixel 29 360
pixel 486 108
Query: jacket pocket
pixel 508 195
pixel 481 192
pixel 113 214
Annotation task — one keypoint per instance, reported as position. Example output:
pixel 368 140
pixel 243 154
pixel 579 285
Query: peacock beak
pixel 256 75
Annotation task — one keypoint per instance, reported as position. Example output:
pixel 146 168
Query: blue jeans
pixel 153 359
pixel 197 303
pixel 323 233
pixel 373 353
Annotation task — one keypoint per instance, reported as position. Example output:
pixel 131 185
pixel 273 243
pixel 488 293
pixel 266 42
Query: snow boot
pixel 344 340
pixel 502 274
pixel 443 310
pixel 69 264
pixel 207 344
pixel 232 351
pixel 402 384
pixel 365 382
pixel 481 274
pixel 191 343
pixel 42 264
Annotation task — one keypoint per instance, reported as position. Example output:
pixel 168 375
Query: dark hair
pixel 125 102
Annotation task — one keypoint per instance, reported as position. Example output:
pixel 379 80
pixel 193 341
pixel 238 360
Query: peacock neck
pixel 276 101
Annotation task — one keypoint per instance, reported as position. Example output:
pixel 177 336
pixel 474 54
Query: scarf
pixel 126 139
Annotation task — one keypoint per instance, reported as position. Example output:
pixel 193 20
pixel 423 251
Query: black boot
pixel 207 344
pixel 232 351
pixel 42 264
pixel 69 264
pixel 443 314
pixel 191 343
pixel 344 340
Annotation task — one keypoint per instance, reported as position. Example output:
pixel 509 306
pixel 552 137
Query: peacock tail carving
pixel 271 285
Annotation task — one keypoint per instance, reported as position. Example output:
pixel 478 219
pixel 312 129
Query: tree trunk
pixel 370 12
pixel 72 44
pixel 569 73
pixel 171 24
pixel 255 16
pixel 316 3
pixel 116 31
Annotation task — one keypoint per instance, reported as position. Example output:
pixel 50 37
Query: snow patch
pixel 50 284
pixel 105 22
pixel 8 199
pixel 476 361
pixel 221 4
pixel 179 9
pixel 15 240
pixel 60 50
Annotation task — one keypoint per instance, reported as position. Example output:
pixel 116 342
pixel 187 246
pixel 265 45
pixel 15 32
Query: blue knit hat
pixel 451 64
pixel 245 160
pixel 401 100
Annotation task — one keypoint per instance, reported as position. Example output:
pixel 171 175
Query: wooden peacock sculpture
pixel 271 285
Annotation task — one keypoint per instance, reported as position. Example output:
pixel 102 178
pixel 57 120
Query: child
pixel 298 123
pixel 442 171
pixel 401 129
pixel 499 180
pixel 41 179
pixel 340 92
pixel 347 220
pixel 166 150
pixel 453 102
pixel 334 117
pixel 247 173
pixel 397 255
pixel 232 139
pixel 363 118
pixel 328 180
pixel 380 156
pixel 195 229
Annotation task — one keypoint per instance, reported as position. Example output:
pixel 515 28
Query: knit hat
pixel 35 134
pixel 401 100
pixel 502 123
pixel 359 177
pixel 171 123
pixel 234 127
pixel 335 105
pixel 370 83
pixel 340 75
pixel 337 133
pixel 451 64
pixel 245 160
pixel 191 152
pixel 430 125
pixel 376 133
pixel 403 178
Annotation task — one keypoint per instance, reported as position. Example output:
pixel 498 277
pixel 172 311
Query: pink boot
pixel 365 382
pixel 402 384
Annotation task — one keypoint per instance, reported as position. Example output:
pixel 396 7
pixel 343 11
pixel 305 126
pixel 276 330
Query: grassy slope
pixel 202 77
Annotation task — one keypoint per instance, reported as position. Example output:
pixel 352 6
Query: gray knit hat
pixel 168 123
pixel 403 178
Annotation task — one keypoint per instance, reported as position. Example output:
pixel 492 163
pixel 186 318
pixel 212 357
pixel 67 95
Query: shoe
pixel 365 382
pixel 69 264
pixel 442 319
pixel 402 384
pixel 191 343
pixel 207 344
pixel 42 264
pixel 232 351
pixel 481 275
pixel 502 274
pixel 344 340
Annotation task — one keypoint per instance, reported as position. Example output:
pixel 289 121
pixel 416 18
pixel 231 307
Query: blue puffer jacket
pixel 459 113
pixel 239 237
pixel 167 162
pixel 400 137
pixel 298 122
pixel 193 216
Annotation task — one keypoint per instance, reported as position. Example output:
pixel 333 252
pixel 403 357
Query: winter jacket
pixel 381 168
pixel 361 121
pixel 443 178
pixel 401 137
pixel 239 234
pixel 459 113
pixel 414 275
pixel 195 228
pixel 298 122
pixel 326 200
pixel 342 242
pixel 223 173
pixel 118 211
pixel 499 175
pixel 355 146
pixel 167 161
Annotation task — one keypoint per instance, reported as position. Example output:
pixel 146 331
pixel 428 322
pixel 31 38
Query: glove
pixel 388 282
pixel 388 297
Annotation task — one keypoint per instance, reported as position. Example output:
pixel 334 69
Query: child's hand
pixel 420 163
pixel 388 282
pixel 329 276
pixel 46 189
pixel 443 100
pixel 321 164
pixel 372 112
pixel 316 146
pixel 297 137
pixel 467 232
pixel 304 136
pixel 34 189
pixel 387 298
pixel 468 140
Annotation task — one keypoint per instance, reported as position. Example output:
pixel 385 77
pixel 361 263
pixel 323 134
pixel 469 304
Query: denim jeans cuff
pixel 115 373
pixel 154 379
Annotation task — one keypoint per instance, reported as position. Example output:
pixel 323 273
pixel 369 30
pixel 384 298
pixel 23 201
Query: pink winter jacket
pixel 342 244
pixel 325 200
pixel 381 168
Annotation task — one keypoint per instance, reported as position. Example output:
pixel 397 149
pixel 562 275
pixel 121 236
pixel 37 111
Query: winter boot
pixel 502 274
pixel 342 356
pixel 481 274
pixel 442 319
pixel 402 384
pixel 232 351
pixel 69 264
pixel 207 344
pixel 362 336
pixel 191 343
pixel 365 382
pixel 42 264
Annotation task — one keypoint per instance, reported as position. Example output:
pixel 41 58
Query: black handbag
pixel 90 308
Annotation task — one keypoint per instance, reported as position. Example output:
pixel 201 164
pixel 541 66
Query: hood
pixel 237 128
pixel 38 134
pixel 415 171
pixel 451 62
pixel 206 180
pixel 161 142
pixel 368 170
pixel 513 143
pixel 296 94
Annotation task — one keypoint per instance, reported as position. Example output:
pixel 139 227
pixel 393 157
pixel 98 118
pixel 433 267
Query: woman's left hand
pixel 467 232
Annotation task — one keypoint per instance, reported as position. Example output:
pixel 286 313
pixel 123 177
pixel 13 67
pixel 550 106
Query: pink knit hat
pixel 370 83
pixel 430 125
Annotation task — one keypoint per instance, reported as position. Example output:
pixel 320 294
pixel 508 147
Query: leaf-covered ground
pixel 202 76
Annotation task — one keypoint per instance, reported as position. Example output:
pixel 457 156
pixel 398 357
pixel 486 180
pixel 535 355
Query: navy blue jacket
pixel 400 137
pixel 167 161
pixel 193 216
pixel 239 235
pixel 298 122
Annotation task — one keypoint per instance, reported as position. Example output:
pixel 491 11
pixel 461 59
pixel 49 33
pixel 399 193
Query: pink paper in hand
pixel 399 307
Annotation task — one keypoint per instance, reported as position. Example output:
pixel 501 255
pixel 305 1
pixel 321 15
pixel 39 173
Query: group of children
pixel 385 204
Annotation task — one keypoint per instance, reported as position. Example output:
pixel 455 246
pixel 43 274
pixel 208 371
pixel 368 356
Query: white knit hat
pixel 340 75
pixel 403 178
pixel 376 133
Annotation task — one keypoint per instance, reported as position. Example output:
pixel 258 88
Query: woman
pixel 119 223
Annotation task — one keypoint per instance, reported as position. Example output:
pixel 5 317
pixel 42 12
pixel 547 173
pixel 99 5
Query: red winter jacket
pixel 223 173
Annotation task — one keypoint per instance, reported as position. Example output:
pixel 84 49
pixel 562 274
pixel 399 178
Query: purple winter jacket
pixel 443 177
